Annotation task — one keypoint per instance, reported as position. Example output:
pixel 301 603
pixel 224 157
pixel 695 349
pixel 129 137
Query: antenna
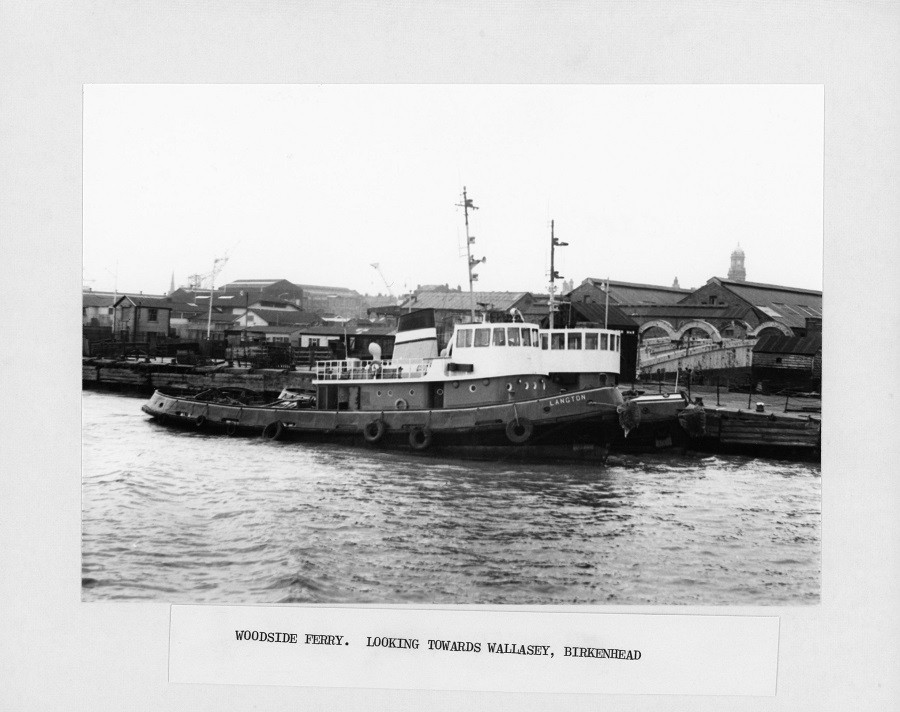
pixel 554 275
pixel 467 205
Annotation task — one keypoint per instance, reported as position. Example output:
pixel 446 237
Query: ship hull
pixel 578 423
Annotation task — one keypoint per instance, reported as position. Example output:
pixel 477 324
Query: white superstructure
pixel 489 350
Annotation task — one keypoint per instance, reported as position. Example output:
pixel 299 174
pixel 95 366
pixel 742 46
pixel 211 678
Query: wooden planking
pixel 763 429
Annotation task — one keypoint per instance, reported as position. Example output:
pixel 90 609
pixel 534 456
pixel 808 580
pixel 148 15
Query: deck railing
pixel 371 370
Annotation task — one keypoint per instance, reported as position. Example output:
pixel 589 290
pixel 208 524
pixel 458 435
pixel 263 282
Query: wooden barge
pixel 760 433
pixel 145 378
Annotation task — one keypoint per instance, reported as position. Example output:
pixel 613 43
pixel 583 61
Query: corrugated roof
pixel 597 313
pixel 150 302
pixel 787 305
pixel 778 344
pixel 89 299
pixel 633 293
pixel 462 301
pixel 282 316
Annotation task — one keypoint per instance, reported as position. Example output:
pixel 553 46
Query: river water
pixel 183 516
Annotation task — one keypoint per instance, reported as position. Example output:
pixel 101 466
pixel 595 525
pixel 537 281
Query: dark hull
pixel 577 425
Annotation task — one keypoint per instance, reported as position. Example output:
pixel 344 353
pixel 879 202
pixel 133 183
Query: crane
pixel 196 280
pixel 377 267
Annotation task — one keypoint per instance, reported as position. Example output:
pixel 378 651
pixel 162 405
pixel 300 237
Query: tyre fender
pixel 273 431
pixel 374 431
pixel 420 438
pixel 519 430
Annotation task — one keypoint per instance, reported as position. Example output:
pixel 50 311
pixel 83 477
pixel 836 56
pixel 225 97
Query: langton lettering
pixel 567 399
pixel 263 636
pixel 403 643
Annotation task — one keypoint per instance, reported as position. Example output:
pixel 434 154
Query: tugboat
pixel 509 389
pixel 508 385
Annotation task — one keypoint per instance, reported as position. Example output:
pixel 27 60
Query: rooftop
pixel 283 316
pixel 462 301
pixel 778 344
pixel 790 306
pixel 635 293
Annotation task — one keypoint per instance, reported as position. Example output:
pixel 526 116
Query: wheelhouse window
pixel 526 337
pixel 590 341
pixel 615 341
pixel 557 341
pixel 512 336
pixel 604 342
pixel 482 337
pixel 575 341
pixel 534 338
pixel 500 337
pixel 545 342
pixel 464 338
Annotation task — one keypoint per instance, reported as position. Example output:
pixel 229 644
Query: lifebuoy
pixel 401 404
pixel 420 438
pixel 519 430
pixel 374 431
pixel 273 431
pixel 201 421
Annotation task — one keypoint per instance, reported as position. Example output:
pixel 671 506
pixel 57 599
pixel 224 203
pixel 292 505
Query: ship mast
pixel 554 275
pixel 467 205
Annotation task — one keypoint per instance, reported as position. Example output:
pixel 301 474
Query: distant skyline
pixel 314 183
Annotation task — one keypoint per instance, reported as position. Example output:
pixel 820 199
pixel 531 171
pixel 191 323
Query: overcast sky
pixel 314 183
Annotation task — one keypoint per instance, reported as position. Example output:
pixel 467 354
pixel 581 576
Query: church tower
pixel 737 272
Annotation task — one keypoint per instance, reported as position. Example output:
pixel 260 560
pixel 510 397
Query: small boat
pixel 495 385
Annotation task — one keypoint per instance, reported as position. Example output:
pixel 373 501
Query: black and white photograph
pixel 452 344
pixel 449 355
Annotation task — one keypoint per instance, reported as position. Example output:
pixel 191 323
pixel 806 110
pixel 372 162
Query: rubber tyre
pixel 273 431
pixel 200 422
pixel 519 431
pixel 373 432
pixel 420 439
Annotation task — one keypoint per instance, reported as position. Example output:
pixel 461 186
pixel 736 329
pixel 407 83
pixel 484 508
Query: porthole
pixel 440 391
pixel 472 388
pixel 390 393
pixel 486 381
pixel 527 385
pixel 412 392
pixel 509 387
pixel 377 393
pixel 456 384
pixel 535 386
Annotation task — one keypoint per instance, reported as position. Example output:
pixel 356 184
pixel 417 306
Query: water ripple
pixel 184 516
